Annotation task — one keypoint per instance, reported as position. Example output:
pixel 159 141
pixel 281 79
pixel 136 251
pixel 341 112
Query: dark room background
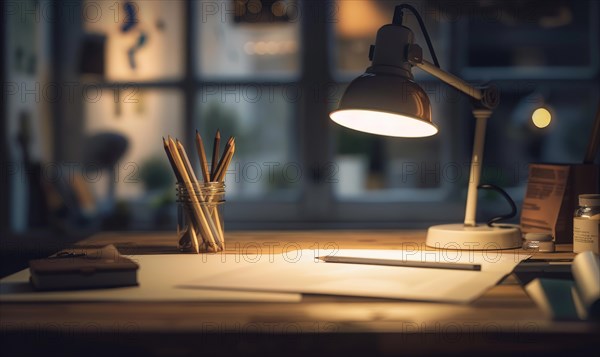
pixel 89 89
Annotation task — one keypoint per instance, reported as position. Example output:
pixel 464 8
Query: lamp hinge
pixel 490 98
pixel 414 54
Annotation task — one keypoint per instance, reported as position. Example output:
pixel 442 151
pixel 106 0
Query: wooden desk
pixel 504 320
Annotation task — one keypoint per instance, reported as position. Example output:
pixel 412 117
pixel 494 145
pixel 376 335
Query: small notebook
pixel 85 269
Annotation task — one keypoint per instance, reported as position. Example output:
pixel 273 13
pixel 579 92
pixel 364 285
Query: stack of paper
pixel 301 272
pixel 283 277
pixel 158 277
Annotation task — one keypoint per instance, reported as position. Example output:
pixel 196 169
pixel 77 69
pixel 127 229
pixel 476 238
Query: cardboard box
pixel 553 195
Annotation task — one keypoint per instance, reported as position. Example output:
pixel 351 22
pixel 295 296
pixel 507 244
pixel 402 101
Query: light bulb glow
pixel 541 117
pixel 382 123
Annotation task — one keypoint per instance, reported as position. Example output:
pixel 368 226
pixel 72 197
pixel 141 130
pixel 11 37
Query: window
pixel 435 170
pixel 232 66
pixel 242 40
pixel 144 39
pixel 266 165
pixel 268 72
pixel 143 119
pixel 379 169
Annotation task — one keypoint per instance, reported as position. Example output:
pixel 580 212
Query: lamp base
pixel 480 237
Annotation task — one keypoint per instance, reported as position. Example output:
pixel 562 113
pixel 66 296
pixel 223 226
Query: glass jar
pixel 586 224
pixel 200 225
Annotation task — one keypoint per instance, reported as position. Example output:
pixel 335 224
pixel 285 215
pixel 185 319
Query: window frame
pixel 316 206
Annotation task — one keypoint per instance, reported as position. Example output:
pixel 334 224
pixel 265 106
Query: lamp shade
pixel 385 104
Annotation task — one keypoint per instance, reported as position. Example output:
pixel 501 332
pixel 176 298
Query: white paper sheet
pixel 158 277
pixel 300 272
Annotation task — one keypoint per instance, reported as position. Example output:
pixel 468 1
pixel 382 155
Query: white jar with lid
pixel 586 224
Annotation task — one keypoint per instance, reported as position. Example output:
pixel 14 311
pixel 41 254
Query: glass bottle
pixel 586 224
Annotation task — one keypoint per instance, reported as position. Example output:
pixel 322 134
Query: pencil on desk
pixel 401 263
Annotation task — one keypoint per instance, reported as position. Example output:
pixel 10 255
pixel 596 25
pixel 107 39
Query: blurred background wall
pixel 90 87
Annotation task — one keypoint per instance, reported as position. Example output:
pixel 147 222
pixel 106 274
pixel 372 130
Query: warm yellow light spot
pixel 541 117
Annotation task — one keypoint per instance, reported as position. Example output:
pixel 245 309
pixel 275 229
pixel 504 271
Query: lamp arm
pixel 450 79
pixel 485 100
pixel 482 115
pixel 484 97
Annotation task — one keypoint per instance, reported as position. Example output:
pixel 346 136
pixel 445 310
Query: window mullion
pixel 314 136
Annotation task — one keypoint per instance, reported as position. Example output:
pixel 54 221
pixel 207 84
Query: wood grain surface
pixel 504 317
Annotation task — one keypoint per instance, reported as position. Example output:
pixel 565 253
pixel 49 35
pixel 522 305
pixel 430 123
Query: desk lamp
pixel 385 100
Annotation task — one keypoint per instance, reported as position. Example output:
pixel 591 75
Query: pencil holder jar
pixel 200 226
